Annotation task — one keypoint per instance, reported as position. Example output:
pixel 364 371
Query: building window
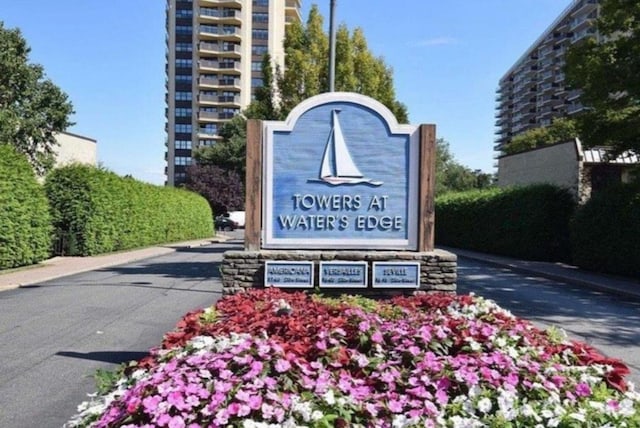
pixel 184 29
pixel 183 112
pixel 260 34
pixel 261 2
pixel 256 82
pixel 183 78
pixel 229 29
pixel 183 160
pixel 209 129
pixel 184 47
pixel 183 144
pixel 184 13
pixel 183 128
pixel 260 17
pixel 183 96
pixel 259 50
pixel 207 143
pixel 183 63
pixel 256 66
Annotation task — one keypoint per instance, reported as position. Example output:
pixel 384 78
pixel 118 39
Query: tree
pixel 357 69
pixel 607 71
pixel 32 108
pixel 230 153
pixel 453 176
pixel 222 188
pixel 561 129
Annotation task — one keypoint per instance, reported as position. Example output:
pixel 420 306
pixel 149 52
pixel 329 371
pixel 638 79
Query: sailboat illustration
pixel 337 165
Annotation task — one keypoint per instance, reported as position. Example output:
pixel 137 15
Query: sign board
pixel 343 274
pixel 396 275
pixel 340 173
pixel 288 274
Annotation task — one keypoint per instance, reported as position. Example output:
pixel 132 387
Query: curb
pixel 110 259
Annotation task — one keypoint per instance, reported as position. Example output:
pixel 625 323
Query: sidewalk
pixel 620 286
pixel 58 267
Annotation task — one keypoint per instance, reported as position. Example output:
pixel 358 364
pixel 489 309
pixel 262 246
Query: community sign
pixel 340 173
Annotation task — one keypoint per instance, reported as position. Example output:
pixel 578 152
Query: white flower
pixel 626 407
pixel 579 416
pixel 484 405
pixel 329 397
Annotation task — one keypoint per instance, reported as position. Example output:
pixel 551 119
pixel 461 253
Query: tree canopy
pixel 32 108
pixel 561 129
pixel 606 68
pixel 306 71
pixel 451 176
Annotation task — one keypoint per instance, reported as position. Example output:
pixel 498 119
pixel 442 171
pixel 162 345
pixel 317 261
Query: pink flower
pixel 282 365
pixel 176 422
pixel 395 406
pixel 583 390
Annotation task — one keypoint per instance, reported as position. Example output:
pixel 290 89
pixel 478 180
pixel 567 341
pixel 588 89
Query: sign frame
pixel 395 264
pixel 289 285
pixel 363 264
pixel 409 242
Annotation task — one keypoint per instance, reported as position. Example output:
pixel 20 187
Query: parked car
pixel 225 223
pixel 237 217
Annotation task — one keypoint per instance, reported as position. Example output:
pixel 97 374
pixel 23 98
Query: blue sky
pixel 447 58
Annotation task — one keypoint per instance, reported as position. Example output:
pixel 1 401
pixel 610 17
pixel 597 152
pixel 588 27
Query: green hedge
pixel 605 232
pixel 96 211
pixel 25 227
pixel 524 222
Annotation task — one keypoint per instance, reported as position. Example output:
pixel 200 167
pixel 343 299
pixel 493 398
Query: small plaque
pixel 396 275
pixel 343 274
pixel 288 274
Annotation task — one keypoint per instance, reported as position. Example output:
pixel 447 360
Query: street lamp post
pixel 332 46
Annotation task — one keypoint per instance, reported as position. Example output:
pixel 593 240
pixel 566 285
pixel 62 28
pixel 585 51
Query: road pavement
pixel 55 334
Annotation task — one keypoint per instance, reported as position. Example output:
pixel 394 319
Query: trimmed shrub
pixel 96 211
pixel 25 228
pixel 526 222
pixel 605 232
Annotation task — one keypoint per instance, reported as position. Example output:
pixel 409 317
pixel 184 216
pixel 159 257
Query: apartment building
pixel 532 92
pixel 214 56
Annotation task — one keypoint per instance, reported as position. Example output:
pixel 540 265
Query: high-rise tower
pixel 214 56
pixel 532 92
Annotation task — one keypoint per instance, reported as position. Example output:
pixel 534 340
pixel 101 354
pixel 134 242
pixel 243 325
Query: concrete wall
pixel 558 164
pixel 75 148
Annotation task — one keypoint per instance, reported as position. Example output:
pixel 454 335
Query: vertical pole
pixel 426 218
pixel 332 46
pixel 253 187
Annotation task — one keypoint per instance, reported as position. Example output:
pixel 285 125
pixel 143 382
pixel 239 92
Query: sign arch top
pixel 340 173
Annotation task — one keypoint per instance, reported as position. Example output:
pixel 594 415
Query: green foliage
pixel 25 227
pixel 561 130
pixel 306 71
pixel 95 211
pixel 230 153
pixel 604 232
pixel 32 108
pixel 526 222
pixel 452 176
pixel 607 71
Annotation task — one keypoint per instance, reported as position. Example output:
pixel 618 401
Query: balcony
pixel 229 99
pixel 228 66
pixel 208 82
pixel 585 6
pixel 207 116
pixel 233 83
pixel 226 115
pixel 219 16
pixel 209 48
pixel 292 11
pixel 221 3
pixel 207 99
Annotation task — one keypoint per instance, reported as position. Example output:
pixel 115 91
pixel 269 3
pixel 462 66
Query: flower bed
pixel 267 358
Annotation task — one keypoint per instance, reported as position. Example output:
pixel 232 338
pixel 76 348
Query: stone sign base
pixel 242 270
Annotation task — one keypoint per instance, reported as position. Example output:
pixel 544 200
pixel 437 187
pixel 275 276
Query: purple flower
pixel 583 390
pixel 282 365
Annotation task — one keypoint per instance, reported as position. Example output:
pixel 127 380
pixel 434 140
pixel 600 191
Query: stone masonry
pixel 245 269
